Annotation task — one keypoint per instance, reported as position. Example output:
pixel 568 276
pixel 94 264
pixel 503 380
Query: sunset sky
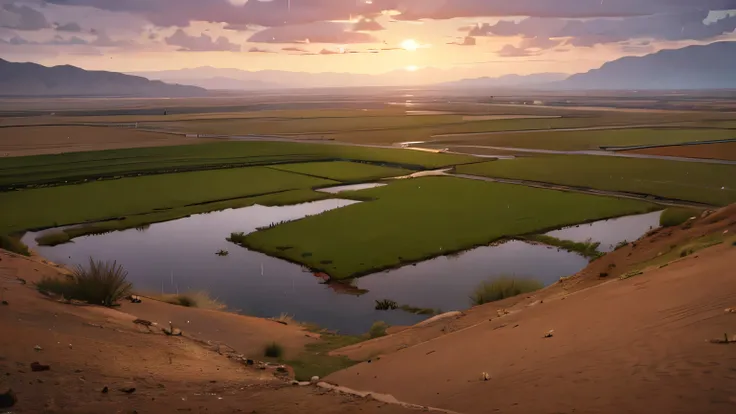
pixel 463 38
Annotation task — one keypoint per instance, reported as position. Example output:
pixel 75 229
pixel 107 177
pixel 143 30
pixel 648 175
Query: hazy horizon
pixel 453 39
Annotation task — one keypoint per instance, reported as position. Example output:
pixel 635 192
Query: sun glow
pixel 412 68
pixel 410 45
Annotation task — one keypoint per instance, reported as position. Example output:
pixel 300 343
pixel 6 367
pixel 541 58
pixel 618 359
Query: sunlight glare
pixel 410 45
pixel 411 68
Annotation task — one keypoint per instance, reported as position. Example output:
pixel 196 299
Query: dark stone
pixel 105 390
pixel 38 367
pixel 128 390
pixel 8 399
pixel 5 302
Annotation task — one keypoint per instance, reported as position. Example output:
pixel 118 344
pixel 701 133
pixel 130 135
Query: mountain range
pixel 31 79
pixel 710 66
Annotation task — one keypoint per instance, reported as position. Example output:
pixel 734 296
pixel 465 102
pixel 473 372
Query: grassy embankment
pixel 591 140
pixel 413 220
pixel 705 183
pixel 343 171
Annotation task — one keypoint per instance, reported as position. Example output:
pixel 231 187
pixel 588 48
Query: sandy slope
pixel 638 345
pixel 89 348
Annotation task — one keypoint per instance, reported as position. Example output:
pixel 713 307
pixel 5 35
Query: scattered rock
pixel 314 379
pixel 730 310
pixel 105 390
pixel 38 348
pixel 8 399
pixel 143 322
pixel 128 390
pixel 38 367
pixel 550 333
pixel 485 376
pixel 5 302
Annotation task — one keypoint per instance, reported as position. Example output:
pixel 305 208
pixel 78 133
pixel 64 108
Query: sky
pixel 455 38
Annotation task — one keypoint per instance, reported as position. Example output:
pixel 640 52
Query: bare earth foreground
pixel 639 345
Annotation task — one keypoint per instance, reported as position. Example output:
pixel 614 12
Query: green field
pixel 412 220
pixel 72 204
pixel 705 183
pixel 82 165
pixel 343 171
pixel 591 140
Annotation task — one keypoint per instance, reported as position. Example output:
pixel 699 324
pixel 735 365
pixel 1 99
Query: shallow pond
pixel 180 255
pixel 611 232
pixel 351 187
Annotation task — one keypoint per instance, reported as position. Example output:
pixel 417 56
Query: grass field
pixel 72 204
pixel 705 183
pixel 26 141
pixel 588 140
pixel 78 166
pixel 412 220
pixel 343 171
pixel 724 151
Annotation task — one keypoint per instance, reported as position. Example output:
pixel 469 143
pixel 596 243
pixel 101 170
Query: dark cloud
pixel 295 49
pixel 513 51
pixel 259 50
pixel 203 43
pixel 367 25
pixel 682 26
pixel 103 40
pixel 22 18
pixel 56 41
pixel 320 32
pixel 330 52
pixel 447 9
pixel 467 41
pixel 69 27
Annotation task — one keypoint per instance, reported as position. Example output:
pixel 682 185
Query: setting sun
pixel 412 68
pixel 410 45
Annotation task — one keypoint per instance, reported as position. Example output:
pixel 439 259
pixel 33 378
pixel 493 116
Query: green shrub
pixel 503 288
pixel 273 350
pixel 676 216
pixel 101 283
pixel 13 244
pixel 386 304
pixel 237 238
pixel 53 238
pixel 588 248
pixel 378 329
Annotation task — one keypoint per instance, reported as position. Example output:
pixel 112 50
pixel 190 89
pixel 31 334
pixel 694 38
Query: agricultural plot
pixel 79 166
pixel 412 220
pixel 705 183
pixel 722 151
pixel 343 171
pixel 72 204
pixel 590 140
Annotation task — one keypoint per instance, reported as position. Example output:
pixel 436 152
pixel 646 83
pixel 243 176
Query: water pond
pixel 350 187
pixel 611 232
pixel 180 256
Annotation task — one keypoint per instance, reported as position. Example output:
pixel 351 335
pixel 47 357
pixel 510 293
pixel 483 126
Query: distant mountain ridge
pixel 31 79
pixel 711 66
pixel 509 81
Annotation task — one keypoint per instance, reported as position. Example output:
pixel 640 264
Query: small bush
pixel 603 274
pixel 13 244
pixel 588 248
pixel 222 252
pixel 676 216
pixel 378 329
pixel 621 245
pixel 53 239
pixel 502 288
pixel 386 304
pixel 686 252
pixel 273 350
pixel 237 238
pixel 101 283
